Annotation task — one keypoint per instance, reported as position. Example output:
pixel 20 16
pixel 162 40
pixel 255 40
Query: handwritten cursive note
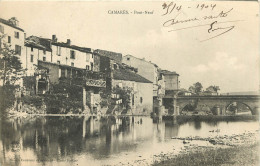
pixel 214 18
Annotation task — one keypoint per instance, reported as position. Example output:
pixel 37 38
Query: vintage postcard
pixel 129 83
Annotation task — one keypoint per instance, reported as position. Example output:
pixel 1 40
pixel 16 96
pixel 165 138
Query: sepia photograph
pixel 114 83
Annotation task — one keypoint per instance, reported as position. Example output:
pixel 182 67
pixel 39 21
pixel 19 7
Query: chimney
pixel 68 41
pixel 14 21
pixel 54 38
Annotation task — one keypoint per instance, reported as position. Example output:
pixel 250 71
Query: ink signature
pixel 214 29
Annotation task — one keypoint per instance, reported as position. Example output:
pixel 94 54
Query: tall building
pixel 72 55
pixel 60 53
pixel 13 35
pixel 146 69
pixel 36 49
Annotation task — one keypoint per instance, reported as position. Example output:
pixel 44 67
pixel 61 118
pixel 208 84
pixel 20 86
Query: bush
pixel 7 96
pixel 108 101
pixel 36 101
pixel 64 98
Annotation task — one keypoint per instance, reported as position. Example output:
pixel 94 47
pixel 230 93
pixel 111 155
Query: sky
pixel 230 61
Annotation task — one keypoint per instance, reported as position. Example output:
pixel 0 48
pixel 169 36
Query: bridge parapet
pixel 220 97
pixel 222 101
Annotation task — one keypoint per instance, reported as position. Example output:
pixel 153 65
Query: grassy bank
pixel 240 155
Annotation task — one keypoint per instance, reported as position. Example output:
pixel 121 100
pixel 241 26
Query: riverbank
pixel 239 149
pixel 239 155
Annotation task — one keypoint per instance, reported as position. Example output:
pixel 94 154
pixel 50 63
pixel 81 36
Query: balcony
pixel 83 77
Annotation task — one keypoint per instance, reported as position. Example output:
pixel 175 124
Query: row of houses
pixel 97 68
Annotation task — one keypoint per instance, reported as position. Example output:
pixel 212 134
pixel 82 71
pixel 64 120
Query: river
pixel 87 140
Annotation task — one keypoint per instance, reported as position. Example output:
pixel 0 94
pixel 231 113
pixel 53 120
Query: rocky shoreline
pixel 220 143
pixel 223 143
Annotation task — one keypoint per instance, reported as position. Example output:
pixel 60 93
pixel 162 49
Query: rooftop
pixel 141 59
pixel 81 49
pixel 7 22
pixel 166 72
pixel 124 74
pixel 112 55
pixel 38 42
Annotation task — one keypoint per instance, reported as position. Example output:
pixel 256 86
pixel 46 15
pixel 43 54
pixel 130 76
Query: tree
pixel 196 88
pixel 10 65
pixel 10 72
pixel 213 88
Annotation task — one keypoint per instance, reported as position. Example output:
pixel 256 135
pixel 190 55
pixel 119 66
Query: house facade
pixel 141 101
pixel 172 83
pixel 61 53
pixel 62 61
pixel 13 35
pixel 67 54
pixel 36 49
pixel 146 69
pixel 126 77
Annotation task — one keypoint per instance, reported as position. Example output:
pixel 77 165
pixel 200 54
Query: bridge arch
pixel 223 102
pixel 232 102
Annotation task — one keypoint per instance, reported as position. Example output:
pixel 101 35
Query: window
pixel 115 66
pixel 87 67
pixel 62 73
pixel 69 73
pixel 18 50
pixel 1 29
pixel 87 57
pixel 72 64
pixel 58 62
pixel 0 43
pixel 133 99
pixel 141 100
pixel 128 59
pixel 44 59
pixel 92 56
pixel 31 58
pixel 72 54
pixel 9 39
pixel 59 73
pixel 58 51
pixel 16 35
pixel 44 52
pixel 92 65
pixel 31 49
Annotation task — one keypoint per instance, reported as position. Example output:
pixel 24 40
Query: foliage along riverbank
pixel 64 99
pixel 239 155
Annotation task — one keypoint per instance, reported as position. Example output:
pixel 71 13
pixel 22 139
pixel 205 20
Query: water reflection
pixel 47 139
pixel 197 125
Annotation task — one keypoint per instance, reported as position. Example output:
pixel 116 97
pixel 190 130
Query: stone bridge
pixel 222 103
